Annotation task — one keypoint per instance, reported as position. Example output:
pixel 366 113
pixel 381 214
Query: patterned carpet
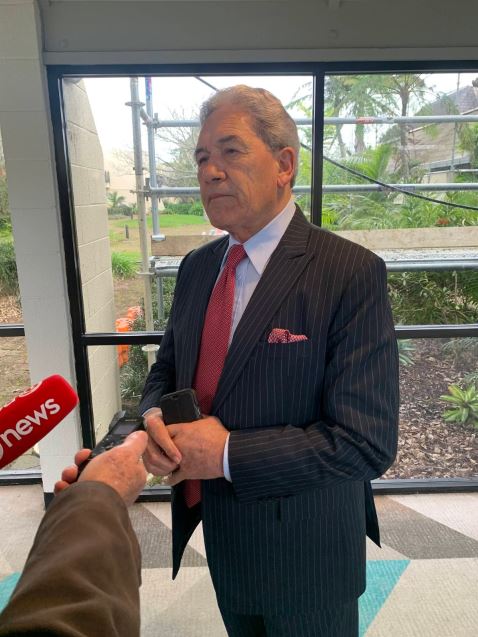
pixel 422 583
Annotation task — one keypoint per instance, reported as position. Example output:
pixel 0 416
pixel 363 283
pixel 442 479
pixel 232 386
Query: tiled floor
pixel 422 583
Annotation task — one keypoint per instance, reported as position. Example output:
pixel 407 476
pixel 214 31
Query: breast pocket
pixel 279 384
pixel 291 351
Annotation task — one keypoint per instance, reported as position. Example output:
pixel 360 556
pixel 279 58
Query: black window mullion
pixel 317 147
pixel 72 264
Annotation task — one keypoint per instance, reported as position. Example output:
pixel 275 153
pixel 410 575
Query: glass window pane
pixel 15 379
pixel 14 373
pixel 366 148
pixel 435 298
pixel 10 306
pixel 437 436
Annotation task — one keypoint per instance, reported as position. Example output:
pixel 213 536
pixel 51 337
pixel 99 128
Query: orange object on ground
pixel 133 312
pixel 123 325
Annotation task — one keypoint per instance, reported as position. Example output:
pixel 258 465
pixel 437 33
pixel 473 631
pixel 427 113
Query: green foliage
pixel 464 402
pixel 117 205
pixel 133 373
pixel 387 209
pixel 468 141
pixel 8 269
pixel 5 222
pixel 432 297
pixel 184 208
pixel 406 349
pixel 124 265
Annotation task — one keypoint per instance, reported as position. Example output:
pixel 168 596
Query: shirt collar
pixel 261 245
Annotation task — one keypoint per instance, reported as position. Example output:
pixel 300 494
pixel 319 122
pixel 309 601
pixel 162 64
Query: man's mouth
pixel 217 195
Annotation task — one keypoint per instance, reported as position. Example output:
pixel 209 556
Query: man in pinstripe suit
pixel 306 408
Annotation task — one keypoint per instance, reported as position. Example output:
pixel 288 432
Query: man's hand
pixel 202 446
pixel 121 468
pixel 161 456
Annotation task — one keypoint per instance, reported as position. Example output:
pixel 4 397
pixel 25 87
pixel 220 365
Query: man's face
pixel 238 174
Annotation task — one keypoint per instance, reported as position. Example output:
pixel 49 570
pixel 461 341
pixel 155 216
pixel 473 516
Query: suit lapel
pixel 196 309
pixel 284 268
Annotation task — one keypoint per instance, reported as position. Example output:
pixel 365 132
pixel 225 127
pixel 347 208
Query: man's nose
pixel 214 171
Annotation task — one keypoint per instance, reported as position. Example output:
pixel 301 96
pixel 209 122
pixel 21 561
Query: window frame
pixel 318 71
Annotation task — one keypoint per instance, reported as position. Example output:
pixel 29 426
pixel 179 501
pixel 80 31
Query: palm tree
pixel 115 200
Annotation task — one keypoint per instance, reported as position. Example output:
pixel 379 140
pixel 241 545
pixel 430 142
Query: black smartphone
pixel 180 406
pixel 120 428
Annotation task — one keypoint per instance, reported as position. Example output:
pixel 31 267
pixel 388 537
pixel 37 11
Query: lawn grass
pixel 165 221
pixel 171 223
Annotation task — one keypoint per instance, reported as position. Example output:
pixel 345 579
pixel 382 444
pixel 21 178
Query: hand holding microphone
pixel 121 468
pixel 29 417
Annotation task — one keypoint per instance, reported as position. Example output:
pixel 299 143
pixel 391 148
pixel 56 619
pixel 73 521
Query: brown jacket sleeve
pixel 83 573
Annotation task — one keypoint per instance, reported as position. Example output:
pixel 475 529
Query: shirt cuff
pixel 225 460
pixel 152 410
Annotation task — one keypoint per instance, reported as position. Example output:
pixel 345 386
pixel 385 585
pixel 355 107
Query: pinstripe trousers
pixel 336 621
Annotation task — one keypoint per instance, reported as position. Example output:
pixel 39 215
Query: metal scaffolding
pixel 155 192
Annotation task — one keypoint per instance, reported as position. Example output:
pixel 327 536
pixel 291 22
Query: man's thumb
pixel 137 442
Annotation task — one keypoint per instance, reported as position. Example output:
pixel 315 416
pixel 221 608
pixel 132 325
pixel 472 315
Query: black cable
pixel 206 83
pixel 356 173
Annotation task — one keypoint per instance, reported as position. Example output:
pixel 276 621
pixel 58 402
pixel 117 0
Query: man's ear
pixel 287 160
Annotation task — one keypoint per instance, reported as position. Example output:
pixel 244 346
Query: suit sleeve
pixel 83 573
pixel 356 437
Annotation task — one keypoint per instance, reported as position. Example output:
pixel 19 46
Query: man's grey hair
pixel 270 121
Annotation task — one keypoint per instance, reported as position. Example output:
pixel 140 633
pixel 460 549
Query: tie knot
pixel 235 256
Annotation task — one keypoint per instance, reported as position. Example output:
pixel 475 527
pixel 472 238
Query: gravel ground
pixel 428 446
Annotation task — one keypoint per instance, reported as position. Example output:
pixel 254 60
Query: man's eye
pixel 201 160
pixel 231 151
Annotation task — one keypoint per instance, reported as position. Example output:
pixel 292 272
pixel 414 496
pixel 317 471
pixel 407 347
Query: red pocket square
pixel 279 335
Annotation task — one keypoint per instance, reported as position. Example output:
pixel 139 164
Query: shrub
pixel 124 265
pixel 464 405
pixel 433 297
pixel 8 269
pixel 184 208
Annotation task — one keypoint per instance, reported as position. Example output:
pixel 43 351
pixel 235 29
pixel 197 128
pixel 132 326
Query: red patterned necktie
pixel 214 346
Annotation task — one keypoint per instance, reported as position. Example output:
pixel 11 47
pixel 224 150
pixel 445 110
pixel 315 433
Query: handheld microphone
pixel 32 415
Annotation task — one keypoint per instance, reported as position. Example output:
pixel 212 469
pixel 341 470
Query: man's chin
pixel 219 215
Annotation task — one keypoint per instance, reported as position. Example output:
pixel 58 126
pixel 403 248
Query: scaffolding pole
pixel 183 191
pixel 306 121
pixel 157 236
pixel 136 106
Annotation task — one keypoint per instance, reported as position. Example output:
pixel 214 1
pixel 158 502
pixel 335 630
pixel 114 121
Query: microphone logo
pixel 32 415
pixel 24 426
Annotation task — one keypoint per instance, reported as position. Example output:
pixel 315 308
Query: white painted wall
pixel 267 30
pixel 30 166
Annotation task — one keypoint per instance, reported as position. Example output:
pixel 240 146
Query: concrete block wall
pixel 91 216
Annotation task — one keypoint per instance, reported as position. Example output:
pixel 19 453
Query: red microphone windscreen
pixel 32 415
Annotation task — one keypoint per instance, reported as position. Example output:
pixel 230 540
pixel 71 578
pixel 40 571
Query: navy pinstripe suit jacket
pixel 311 422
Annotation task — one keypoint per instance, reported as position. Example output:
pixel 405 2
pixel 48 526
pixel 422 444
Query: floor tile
pixel 419 537
pixel 433 598
pixel 459 511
